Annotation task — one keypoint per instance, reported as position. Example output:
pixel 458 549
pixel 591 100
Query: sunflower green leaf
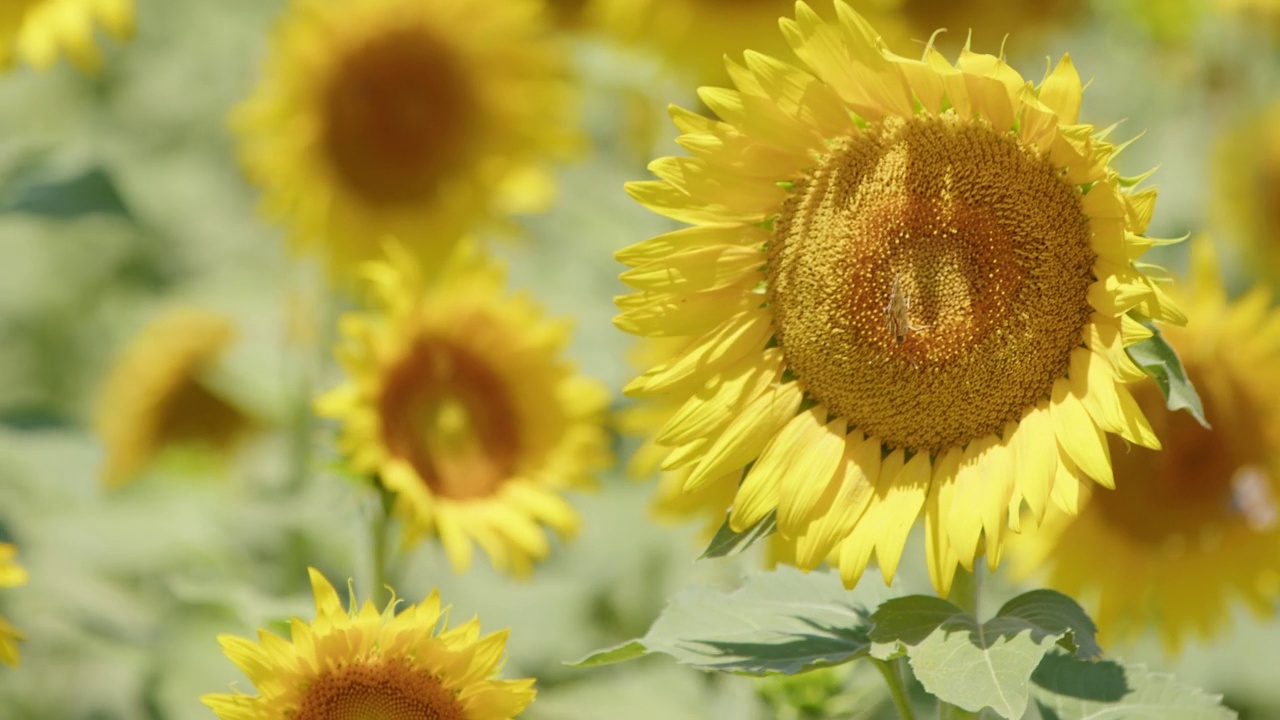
pixel 1159 360
pixel 1070 688
pixel 975 665
pixel 728 541
pixel 782 621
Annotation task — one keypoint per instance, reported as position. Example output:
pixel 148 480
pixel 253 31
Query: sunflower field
pixel 635 359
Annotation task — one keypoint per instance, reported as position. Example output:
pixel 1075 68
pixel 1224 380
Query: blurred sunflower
pixel 909 287
pixel 158 395
pixel 1022 23
pixel 1189 529
pixel 407 118
pixel 459 401
pixel 36 32
pixel 401 664
pixel 11 575
pixel 1247 189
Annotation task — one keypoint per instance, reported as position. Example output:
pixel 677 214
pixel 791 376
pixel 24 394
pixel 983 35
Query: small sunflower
pixel 459 401
pixel 406 118
pixel 11 575
pixel 158 395
pixel 36 32
pixel 401 664
pixel 1247 189
pixel 908 287
pixel 1190 529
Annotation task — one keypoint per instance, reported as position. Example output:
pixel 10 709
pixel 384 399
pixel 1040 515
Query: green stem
pixel 378 528
pixel 889 669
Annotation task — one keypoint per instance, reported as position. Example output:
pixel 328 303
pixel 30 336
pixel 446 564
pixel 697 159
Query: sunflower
pixel 158 394
pixel 1247 189
pixel 38 31
pixel 458 400
pixel 406 118
pixel 11 575
pixel 401 664
pixel 1189 529
pixel 908 286
pixel 1022 22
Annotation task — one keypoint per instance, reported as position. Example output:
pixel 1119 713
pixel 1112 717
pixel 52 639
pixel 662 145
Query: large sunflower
pixel 1247 188
pixel 1189 529
pixel 37 32
pixel 158 394
pixel 460 403
pixel 909 287
pixel 401 664
pixel 11 575
pixel 404 117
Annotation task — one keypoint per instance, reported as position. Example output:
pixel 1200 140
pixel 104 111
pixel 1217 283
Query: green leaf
pixel 1157 358
pixel 728 542
pixel 783 621
pixel 972 665
pixel 84 193
pixel 1069 688
pixel 629 650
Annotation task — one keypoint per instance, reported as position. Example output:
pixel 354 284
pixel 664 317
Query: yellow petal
pixel 1110 406
pixel 1036 458
pixel 1079 437
pixel 1060 91
pixel 698 269
pixel 850 493
pixel 759 492
pixel 900 505
pixel 740 442
pixel 810 472
pixel 736 337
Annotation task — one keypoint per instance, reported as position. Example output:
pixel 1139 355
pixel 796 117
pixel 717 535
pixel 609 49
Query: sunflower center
pixel 390 690
pixel 1203 481
pixel 447 413
pixel 395 117
pixel 929 279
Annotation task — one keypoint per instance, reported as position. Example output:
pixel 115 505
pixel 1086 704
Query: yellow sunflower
pixel 1247 189
pixel 908 287
pixel 404 117
pixel 459 401
pixel 1189 529
pixel 36 32
pixel 11 575
pixel 158 395
pixel 401 664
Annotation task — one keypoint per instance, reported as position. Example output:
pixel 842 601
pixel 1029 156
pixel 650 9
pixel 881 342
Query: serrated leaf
pixel 88 192
pixel 1068 688
pixel 972 665
pixel 1051 611
pixel 783 621
pixel 1159 360
pixel 728 542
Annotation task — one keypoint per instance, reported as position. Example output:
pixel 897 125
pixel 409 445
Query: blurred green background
pixel 121 197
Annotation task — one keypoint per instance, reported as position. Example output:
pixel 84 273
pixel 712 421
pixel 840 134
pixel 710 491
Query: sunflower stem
pixel 897 689
pixel 378 527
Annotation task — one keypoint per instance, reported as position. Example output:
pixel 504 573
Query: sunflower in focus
pixel 1190 529
pixel 908 287
pixel 1247 189
pixel 37 32
pixel 401 664
pixel 460 403
pixel 11 575
pixel 158 394
pixel 406 118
